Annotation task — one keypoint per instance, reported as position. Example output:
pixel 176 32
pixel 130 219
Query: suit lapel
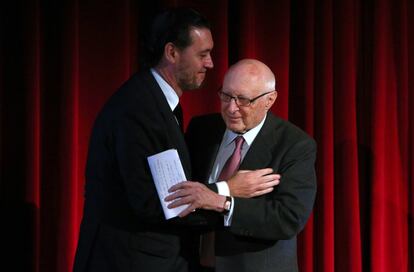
pixel 174 131
pixel 260 153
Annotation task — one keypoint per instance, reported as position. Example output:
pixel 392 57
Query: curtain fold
pixel 345 74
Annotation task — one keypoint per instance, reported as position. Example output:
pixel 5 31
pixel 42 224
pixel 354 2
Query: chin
pixel 197 83
pixel 236 129
pixel 192 86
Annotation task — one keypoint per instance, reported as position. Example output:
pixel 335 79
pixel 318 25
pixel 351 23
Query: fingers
pixel 179 186
pixel 180 194
pixel 179 202
pixel 266 185
pixel 268 181
pixel 272 183
pixel 187 211
pixel 264 171
pixel 186 193
pixel 262 192
pixel 271 177
pixel 255 183
pixel 187 200
pixel 180 190
pixel 265 180
pixel 175 195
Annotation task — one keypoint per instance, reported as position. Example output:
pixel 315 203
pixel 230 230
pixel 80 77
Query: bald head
pixel 252 71
pixel 248 93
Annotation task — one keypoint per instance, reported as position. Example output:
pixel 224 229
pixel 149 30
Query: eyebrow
pixel 206 50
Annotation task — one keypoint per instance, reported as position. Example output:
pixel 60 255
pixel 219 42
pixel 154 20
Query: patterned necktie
pixel 229 168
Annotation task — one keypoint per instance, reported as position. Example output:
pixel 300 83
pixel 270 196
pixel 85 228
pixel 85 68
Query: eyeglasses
pixel 240 100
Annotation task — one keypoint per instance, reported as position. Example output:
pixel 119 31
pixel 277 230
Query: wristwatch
pixel 227 205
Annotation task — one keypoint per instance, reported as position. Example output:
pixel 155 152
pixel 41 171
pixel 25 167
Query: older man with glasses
pixel 257 229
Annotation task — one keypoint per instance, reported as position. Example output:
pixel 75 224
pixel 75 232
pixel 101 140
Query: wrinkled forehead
pixel 242 84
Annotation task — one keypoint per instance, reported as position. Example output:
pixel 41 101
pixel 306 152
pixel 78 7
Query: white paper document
pixel 166 170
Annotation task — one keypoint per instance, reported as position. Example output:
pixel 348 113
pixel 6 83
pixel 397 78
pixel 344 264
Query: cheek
pixel 188 64
pixel 254 119
pixel 247 119
pixel 194 63
pixel 198 66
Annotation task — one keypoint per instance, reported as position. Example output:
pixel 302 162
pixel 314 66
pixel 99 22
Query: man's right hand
pixel 251 183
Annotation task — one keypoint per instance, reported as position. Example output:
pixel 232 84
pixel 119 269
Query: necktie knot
pixel 239 143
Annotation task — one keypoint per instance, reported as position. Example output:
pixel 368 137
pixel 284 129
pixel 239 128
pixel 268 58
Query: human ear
pixel 170 52
pixel 271 98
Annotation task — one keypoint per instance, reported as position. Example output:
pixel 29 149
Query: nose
pixel 208 63
pixel 232 105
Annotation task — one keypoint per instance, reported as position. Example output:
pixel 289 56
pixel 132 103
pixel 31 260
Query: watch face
pixel 227 205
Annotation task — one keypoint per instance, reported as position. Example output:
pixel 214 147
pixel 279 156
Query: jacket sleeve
pixel 134 140
pixel 284 212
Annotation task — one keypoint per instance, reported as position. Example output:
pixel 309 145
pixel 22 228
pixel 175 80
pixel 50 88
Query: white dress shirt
pixel 168 91
pixel 226 149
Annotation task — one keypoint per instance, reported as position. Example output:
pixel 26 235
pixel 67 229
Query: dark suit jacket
pixel 123 226
pixel 274 219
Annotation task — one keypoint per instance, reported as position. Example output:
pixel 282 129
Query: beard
pixel 188 80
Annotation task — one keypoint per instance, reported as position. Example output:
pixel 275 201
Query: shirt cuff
pixel 223 188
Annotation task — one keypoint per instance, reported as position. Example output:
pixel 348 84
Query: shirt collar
pixel 249 136
pixel 168 91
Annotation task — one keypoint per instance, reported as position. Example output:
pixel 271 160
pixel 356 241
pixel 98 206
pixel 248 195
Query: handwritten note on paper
pixel 166 170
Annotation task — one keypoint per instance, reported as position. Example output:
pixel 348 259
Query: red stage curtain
pixel 345 72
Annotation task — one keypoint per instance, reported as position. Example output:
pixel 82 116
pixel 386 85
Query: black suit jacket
pixel 262 222
pixel 123 225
